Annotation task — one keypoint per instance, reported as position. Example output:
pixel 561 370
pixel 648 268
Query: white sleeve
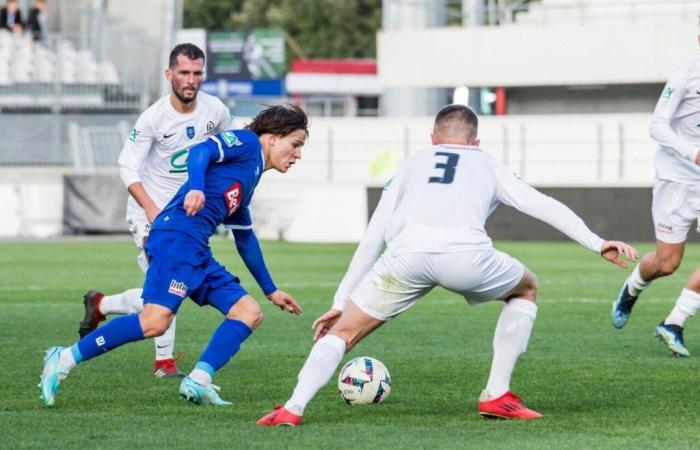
pixel 225 119
pixel 136 148
pixel 660 127
pixel 514 192
pixel 372 242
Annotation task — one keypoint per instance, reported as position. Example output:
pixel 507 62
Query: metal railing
pixel 612 149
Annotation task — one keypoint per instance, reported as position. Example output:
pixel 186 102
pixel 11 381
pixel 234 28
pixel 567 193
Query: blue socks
pixel 224 343
pixel 115 333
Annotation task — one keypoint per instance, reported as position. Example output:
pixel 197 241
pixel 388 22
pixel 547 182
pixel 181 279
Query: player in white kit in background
pixel 431 218
pixel 153 166
pixel 675 127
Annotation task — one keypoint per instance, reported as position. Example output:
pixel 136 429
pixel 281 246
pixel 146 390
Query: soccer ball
pixel 363 381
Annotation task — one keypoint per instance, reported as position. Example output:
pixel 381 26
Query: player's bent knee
pixel 154 327
pixel 526 288
pixel 155 320
pixel 247 311
pixel 668 266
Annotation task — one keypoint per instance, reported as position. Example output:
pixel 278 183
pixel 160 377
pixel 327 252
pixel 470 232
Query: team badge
pixel 668 92
pixel 190 132
pixel 134 134
pixel 230 139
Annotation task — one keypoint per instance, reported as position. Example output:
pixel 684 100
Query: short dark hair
pixel 279 120
pixel 191 51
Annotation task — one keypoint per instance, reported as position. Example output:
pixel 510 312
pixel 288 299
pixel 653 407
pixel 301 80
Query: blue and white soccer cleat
pixel 622 307
pixel 196 393
pixel 672 336
pixel 51 376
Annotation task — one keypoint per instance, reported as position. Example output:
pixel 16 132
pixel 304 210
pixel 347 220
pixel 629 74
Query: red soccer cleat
pixel 93 316
pixel 280 416
pixel 166 368
pixel 507 406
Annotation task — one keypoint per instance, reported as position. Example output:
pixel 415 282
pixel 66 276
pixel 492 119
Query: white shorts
pixel 139 228
pixel 396 282
pixel 674 208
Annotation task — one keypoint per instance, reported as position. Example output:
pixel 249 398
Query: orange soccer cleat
pixel 280 416
pixel 507 406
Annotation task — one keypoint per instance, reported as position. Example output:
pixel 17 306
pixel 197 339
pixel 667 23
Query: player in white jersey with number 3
pixel 675 127
pixel 153 166
pixel 431 218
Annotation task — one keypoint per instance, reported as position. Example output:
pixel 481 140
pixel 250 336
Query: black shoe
pixel 93 316
pixel 622 307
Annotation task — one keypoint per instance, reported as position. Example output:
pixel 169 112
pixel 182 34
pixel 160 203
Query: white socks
pixel 200 376
pixel 66 358
pixel 128 302
pixel 319 367
pixel 509 341
pixel 165 344
pixel 635 282
pixel 686 306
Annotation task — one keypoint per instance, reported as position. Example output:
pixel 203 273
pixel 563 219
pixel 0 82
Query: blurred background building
pixel 565 89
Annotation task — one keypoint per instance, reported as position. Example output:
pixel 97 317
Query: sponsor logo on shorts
pixel 233 197
pixel 178 288
pixel 100 341
pixel 663 228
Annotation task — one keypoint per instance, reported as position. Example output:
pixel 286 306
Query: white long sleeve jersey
pixel 156 150
pixel 675 126
pixel 439 200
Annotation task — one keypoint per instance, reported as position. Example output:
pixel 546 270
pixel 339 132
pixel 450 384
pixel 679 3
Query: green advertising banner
pixel 257 54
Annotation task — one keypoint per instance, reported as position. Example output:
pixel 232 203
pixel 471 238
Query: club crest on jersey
pixel 233 198
pixel 177 288
pixel 230 139
pixel 190 132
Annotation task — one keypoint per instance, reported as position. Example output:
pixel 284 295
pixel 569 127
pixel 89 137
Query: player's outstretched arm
pixel 325 322
pixel 285 302
pixel 613 250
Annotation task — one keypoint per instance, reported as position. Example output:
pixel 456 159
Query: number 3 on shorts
pixel 447 166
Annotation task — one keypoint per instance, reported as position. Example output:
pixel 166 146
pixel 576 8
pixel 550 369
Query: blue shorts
pixel 180 267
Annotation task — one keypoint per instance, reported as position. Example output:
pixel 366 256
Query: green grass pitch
pixel 596 386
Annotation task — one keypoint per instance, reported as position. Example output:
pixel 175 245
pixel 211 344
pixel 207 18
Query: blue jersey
pixel 226 168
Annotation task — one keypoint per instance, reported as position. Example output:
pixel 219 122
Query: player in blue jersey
pixel 223 174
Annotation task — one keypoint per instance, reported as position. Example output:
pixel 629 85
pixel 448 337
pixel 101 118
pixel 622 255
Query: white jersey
pixel 438 202
pixel 675 126
pixel 156 151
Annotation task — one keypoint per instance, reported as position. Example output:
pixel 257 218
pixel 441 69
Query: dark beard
pixel 185 101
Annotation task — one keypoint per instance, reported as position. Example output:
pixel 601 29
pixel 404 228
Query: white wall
pixel 32 202
pixel 536 55
pixel 323 199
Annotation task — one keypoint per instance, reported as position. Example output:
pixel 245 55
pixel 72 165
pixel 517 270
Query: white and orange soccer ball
pixel 363 381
